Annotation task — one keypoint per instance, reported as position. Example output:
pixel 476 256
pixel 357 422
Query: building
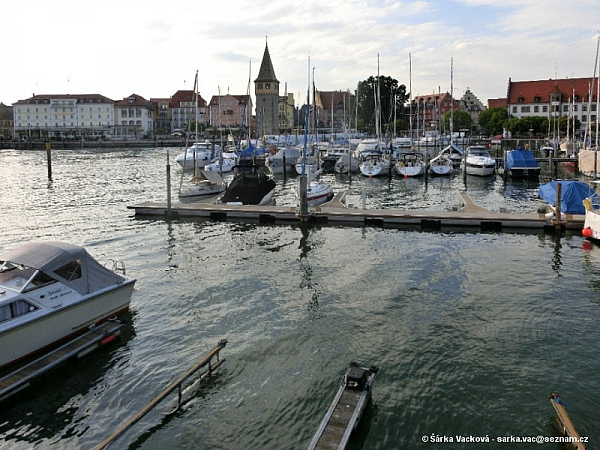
pixel 427 110
pixel 266 89
pixel 162 116
pixel 287 110
pixel 335 109
pixel 183 110
pixel 134 117
pixel 64 116
pixel 230 111
pixel 6 121
pixel 471 104
pixel 553 98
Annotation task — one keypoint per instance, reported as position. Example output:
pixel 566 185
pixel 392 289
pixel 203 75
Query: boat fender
pixel 587 232
pixel 108 339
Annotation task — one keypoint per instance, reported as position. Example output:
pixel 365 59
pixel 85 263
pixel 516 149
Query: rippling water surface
pixel 471 331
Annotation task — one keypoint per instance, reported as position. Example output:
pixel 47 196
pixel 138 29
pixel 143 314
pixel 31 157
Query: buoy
pixel 587 232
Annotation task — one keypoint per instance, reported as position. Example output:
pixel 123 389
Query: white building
pixel 64 116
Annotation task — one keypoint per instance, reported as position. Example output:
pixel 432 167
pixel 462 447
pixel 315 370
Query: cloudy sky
pixel 153 48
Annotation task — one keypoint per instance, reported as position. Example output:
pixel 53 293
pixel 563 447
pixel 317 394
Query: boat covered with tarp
pixel 521 163
pixel 572 195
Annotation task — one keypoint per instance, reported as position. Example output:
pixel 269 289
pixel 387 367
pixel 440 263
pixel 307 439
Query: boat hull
pixel 54 326
pixel 525 172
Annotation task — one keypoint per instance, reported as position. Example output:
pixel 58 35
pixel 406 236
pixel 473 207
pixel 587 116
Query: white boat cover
pixel 49 257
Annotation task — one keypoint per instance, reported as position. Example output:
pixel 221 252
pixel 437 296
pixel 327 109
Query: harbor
pixel 471 328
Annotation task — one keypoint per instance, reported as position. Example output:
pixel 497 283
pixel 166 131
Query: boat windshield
pixel 20 278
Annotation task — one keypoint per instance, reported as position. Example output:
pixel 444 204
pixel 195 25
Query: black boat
pixel 249 188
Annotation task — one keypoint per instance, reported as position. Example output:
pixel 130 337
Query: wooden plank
pixel 567 427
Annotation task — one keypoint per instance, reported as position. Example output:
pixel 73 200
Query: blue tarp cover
pixel 520 158
pixel 572 195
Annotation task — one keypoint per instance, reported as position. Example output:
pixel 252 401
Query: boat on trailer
pixel 53 291
pixel 346 410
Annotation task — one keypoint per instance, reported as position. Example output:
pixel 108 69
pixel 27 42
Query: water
pixel 471 331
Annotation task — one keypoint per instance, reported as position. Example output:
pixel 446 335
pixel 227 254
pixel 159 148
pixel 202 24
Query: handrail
pixel 174 385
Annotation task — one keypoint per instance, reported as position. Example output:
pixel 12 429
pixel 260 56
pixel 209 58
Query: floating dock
pixel 344 414
pixel 80 346
pixel 565 424
pixel 337 213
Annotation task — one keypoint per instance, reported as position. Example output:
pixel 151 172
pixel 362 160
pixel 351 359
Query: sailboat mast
pixel 410 115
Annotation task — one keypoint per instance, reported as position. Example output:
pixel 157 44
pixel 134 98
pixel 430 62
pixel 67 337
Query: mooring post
pixel 168 186
pixel 49 158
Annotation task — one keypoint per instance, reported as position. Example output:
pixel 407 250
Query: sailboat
pixel 374 163
pixel 316 192
pixel 588 157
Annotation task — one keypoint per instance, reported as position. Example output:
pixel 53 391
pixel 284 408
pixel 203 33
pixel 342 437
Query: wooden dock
pixel 565 424
pixel 337 213
pixel 346 410
pixel 80 346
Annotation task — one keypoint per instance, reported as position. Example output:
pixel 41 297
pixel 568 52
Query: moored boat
pixel 249 188
pixel 374 166
pixel 521 163
pixel 410 164
pixel 441 165
pixel 479 162
pixel 52 291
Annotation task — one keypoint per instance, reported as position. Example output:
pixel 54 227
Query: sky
pixel 154 48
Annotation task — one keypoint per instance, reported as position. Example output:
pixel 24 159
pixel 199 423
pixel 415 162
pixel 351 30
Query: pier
pixel 21 378
pixel 565 424
pixel 346 410
pixel 338 213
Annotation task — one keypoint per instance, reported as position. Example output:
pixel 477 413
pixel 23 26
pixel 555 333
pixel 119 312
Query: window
pixel 70 271
pixel 514 109
pixel 536 109
pixel 525 109
pixel 15 309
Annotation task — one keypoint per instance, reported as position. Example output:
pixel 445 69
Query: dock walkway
pixel 21 378
pixel 335 212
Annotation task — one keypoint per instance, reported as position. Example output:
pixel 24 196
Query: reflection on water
pixel 483 324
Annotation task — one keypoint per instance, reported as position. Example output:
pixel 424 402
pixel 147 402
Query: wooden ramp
pixel 566 425
pixel 345 411
pixel 21 378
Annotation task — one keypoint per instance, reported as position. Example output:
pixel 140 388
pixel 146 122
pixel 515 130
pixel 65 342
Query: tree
pixel 461 120
pixel 493 120
pixel 391 95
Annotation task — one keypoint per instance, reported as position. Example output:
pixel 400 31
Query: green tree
pixel 493 120
pixel 391 95
pixel 461 120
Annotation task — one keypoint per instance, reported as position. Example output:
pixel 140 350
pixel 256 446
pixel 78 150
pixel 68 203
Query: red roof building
pixel 574 97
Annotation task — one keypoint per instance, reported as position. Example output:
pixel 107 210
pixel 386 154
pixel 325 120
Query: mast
pixel 410 115
pixel 303 183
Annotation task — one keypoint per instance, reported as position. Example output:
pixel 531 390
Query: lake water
pixel 471 331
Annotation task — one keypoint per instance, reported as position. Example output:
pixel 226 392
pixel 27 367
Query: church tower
pixel 266 89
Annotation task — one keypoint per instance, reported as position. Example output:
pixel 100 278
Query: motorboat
pixel 441 165
pixel 276 161
pixel 53 291
pixel 369 147
pixel 479 162
pixel 346 163
pixel 203 184
pixel 374 166
pixel 591 225
pixel 410 164
pixel 249 188
pixel 521 163
pixel 222 164
pixel 572 195
pixel 198 155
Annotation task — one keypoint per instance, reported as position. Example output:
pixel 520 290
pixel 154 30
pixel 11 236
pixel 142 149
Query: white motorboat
pixel 52 291
pixel 369 147
pixel 198 155
pixel 591 225
pixel 275 162
pixel 441 165
pixel 222 165
pixel 374 166
pixel 410 164
pixel 479 162
pixel 203 184
pixel 346 163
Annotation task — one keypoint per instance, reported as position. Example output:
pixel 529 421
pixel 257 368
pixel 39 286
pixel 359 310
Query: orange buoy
pixel 587 232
